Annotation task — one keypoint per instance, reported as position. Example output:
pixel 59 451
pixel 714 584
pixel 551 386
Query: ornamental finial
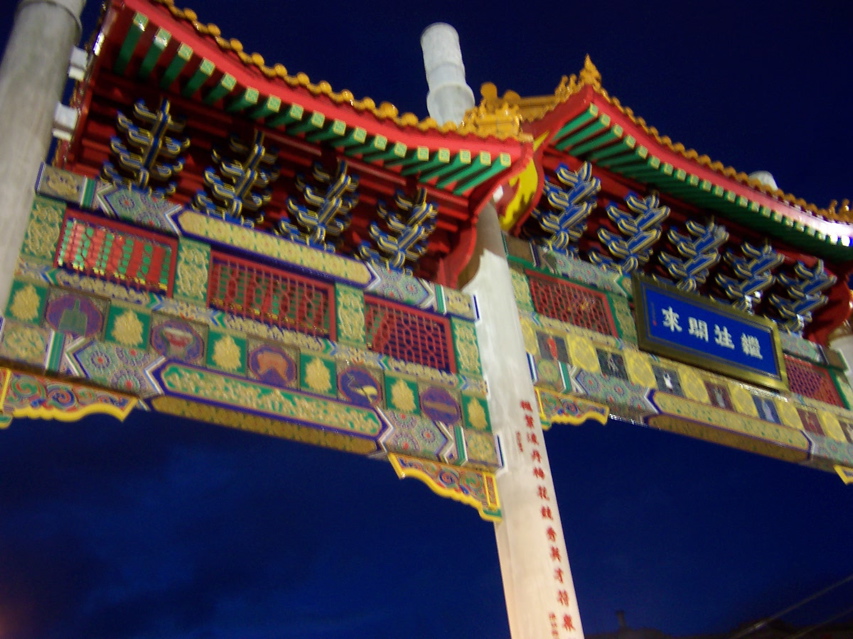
pixel 589 75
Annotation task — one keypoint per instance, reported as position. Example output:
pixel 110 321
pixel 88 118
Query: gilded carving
pixel 467 351
pixel 24 343
pixel 739 423
pixel 476 415
pixel 226 354
pixel 43 229
pixel 402 397
pixel 274 246
pixel 521 290
pixel 127 329
pixel 458 303
pixel 481 448
pixel 25 304
pixel 192 270
pixel 350 304
pixel 60 183
pixel 583 354
pixel 317 376
pixel 788 413
pixel 639 370
pixel 102 288
pixel 286 404
pixel 742 400
pixel 692 385
pixel 264 425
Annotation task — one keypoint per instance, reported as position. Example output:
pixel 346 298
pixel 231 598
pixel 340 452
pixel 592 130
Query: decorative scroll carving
pixel 802 295
pixel 641 226
pixel 150 152
pixel 473 487
pixel 40 397
pixel 409 229
pixel 326 211
pixel 237 187
pixel 752 275
pixel 566 223
pixel 700 250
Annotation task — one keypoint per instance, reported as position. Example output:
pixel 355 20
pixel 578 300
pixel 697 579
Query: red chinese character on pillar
pixel 563 597
pixel 552 534
pixel 518 441
pixel 538 472
pixel 526 406
pixel 543 493
pixel 531 437
pixel 555 554
pixel 567 622
pixel 528 419
pixel 535 456
pixel 558 574
pixel 546 513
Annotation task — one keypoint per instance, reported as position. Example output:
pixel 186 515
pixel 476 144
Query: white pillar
pixel 540 595
pixel 449 96
pixel 844 345
pixel 32 78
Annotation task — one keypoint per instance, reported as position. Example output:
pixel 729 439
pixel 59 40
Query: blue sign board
pixel 709 335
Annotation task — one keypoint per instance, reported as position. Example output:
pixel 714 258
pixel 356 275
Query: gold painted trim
pixel 779 383
pixel 415 473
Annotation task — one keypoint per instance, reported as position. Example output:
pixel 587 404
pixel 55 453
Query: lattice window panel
pixel 272 296
pixel 116 252
pixel 571 303
pixel 408 334
pixel 812 381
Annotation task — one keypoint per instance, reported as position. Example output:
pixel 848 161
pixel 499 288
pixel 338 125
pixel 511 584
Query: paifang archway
pixel 219 239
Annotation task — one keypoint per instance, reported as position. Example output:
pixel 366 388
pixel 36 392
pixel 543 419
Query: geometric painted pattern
pixel 44 398
pixel 116 366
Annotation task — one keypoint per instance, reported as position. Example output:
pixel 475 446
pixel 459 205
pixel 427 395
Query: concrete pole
pixel 449 95
pixel 32 78
pixel 540 594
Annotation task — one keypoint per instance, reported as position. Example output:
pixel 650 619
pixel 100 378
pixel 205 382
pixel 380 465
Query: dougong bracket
pixel 408 232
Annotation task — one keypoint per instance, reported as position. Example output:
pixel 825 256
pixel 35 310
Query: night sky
pixel 158 527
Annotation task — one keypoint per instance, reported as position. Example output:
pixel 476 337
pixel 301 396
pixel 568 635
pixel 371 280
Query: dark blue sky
pixel 163 528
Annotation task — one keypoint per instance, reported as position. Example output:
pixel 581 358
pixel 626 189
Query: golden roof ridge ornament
pixel 589 75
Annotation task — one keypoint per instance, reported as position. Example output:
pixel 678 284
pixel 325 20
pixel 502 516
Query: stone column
pixel 32 78
pixel 540 595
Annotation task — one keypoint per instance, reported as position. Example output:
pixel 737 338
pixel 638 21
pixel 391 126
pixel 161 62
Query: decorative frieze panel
pixel 107 250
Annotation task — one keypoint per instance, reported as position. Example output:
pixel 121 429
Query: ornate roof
pixel 583 120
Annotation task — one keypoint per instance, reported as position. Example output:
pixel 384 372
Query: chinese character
pixel 543 493
pixel 552 534
pixel 750 345
pixel 531 437
pixel 518 441
pixel 563 597
pixel 526 406
pixel 535 456
pixel 567 622
pixel 546 513
pixel 555 554
pixel 529 421
pixel 558 574
pixel 670 320
pixel 723 337
pixel 698 328
pixel 538 472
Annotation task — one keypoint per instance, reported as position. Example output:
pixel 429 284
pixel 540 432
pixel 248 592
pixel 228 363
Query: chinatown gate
pixel 216 238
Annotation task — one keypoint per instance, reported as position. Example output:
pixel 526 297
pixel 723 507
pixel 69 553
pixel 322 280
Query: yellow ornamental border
pixel 272 246
pixel 490 511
